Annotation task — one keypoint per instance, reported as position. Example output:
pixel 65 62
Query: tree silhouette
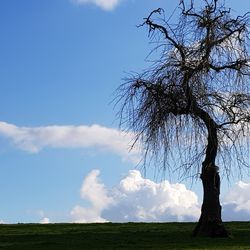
pixel 194 100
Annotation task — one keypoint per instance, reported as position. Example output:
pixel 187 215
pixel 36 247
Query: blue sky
pixel 60 64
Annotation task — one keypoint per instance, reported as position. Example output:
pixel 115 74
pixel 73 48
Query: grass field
pixel 118 236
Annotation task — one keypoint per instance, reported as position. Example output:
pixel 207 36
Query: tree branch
pixel 154 26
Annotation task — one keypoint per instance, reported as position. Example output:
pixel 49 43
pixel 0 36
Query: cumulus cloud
pixel 34 139
pixel 95 192
pixel 236 203
pixel 138 199
pixel 104 4
pixel 135 199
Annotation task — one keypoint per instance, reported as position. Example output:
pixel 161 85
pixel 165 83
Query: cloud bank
pixel 95 136
pixel 107 5
pixel 141 200
pixel 135 199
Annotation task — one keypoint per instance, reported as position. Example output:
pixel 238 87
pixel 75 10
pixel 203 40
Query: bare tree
pixel 194 100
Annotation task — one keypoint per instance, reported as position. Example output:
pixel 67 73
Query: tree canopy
pixel 194 100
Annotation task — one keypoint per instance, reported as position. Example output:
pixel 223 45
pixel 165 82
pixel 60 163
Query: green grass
pixel 118 236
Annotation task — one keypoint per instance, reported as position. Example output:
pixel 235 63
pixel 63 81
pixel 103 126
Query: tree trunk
pixel 210 222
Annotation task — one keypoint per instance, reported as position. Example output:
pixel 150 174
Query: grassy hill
pixel 118 236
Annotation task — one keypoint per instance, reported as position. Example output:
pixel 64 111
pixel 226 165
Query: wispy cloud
pixel 34 139
pixel 107 5
pixel 135 199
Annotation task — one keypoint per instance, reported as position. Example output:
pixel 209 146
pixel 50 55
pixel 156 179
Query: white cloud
pixel 236 203
pixel 139 199
pixel 104 4
pixel 2 222
pixel 45 220
pixel 135 199
pixel 34 139
pixel 86 215
pixel 95 192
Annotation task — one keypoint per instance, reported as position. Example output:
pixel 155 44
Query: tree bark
pixel 210 222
